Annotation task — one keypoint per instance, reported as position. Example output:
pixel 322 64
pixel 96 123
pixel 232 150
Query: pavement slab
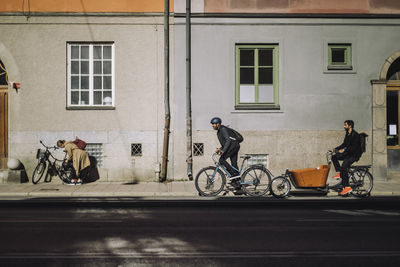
pixel 142 189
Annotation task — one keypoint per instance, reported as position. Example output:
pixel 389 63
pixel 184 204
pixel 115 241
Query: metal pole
pixel 189 159
pixel 164 164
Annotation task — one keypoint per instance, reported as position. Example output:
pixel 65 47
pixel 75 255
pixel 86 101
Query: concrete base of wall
pixel 13 177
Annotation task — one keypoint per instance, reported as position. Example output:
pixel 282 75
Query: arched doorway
pixel 393 115
pixel 3 116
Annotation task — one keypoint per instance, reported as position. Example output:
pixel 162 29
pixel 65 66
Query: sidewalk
pixel 142 189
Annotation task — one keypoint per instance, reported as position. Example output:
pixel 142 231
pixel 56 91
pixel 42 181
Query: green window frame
pixel 339 57
pixel 257 76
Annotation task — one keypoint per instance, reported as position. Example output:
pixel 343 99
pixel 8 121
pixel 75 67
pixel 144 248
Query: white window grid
pixel 95 150
pixel 198 149
pixel 136 150
pixel 100 89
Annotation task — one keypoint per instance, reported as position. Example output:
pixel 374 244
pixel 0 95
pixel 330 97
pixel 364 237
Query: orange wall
pixel 303 6
pixel 83 6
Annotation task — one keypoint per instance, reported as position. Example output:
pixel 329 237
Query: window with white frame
pixel 90 75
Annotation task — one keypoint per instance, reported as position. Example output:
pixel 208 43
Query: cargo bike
pixel 360 180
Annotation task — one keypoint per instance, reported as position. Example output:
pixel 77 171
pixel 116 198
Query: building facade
pixel 89 69
pixel 285 74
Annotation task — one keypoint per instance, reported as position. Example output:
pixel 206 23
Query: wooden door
pixel 3 126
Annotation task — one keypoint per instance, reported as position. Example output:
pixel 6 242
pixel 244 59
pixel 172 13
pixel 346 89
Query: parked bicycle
pixel 360 180
pixel 58 167
pixel 254 179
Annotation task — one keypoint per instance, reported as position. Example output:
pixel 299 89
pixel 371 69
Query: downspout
pixel 189 159
pixel 164 163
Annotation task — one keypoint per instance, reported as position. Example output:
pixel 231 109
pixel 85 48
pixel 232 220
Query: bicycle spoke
pixel 256 181
pixel 209 181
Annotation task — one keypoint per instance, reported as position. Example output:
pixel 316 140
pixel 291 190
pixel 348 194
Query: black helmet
pixel 215 120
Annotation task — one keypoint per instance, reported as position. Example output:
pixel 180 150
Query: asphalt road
pixel 308 233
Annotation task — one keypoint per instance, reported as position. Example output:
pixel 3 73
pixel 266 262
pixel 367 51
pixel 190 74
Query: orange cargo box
pixel 311 177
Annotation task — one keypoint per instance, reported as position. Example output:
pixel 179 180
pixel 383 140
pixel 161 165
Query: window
pixel 136 150
pixel 95 150
pixel 3 74
pixel 198 149
pixel 90 75
pixel 257 77
pixel 339 57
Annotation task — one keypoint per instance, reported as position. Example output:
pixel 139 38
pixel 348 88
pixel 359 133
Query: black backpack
pixel 363 138
pixel 235 134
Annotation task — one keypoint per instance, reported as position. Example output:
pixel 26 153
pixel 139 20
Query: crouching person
pixel 80 160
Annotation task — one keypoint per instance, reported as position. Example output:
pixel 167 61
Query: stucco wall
pixel 314 102
pixel 303 6
pixel 38 111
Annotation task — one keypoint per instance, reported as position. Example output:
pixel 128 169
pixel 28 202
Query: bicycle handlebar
pixel 49 147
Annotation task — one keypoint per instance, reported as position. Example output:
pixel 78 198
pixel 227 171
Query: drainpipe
pixel 189 159
pixel 164 163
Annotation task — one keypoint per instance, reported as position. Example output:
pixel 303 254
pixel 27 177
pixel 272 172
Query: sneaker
pixel 337 176
pixel 70 183
pixel 346 190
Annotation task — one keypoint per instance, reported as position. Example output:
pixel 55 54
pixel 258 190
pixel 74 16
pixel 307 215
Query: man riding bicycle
pixel 229 148
pixel 349 152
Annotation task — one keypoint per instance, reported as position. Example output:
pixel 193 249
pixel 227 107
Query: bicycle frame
pixel 52 166
pixel 218 166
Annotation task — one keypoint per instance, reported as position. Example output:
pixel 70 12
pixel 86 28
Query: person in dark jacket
pixel 349 152
pixel 229 148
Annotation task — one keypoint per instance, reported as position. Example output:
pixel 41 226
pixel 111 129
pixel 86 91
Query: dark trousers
pixel 347 161
pixel 232 154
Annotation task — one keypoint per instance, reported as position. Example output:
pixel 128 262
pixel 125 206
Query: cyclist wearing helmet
pixel 229 148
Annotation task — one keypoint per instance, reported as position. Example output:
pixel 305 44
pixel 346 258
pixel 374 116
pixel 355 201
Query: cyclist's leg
pixel 344 170
pixel 234 157
pixel 228 167
pixel 335 160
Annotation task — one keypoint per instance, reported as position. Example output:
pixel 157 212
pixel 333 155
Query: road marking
pixel 349 212
pixel 365 212
pixel 387 213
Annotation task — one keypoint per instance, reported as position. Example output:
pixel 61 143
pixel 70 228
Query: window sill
pixel 339 67
pixel 257 109
pixel 90 108
pixel 340 70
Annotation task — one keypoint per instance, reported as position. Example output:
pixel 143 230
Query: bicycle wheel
pixel 66 174
pixel 255 181
pixel 38 172
pixel 280 187
pixel 361 182
pixel 209 181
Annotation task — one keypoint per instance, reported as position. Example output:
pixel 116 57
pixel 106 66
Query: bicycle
pixel 360 180
pixel 254 179
pixel 64 171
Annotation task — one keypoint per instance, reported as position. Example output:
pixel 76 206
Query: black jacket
pixel 351 145
pixel 225 138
